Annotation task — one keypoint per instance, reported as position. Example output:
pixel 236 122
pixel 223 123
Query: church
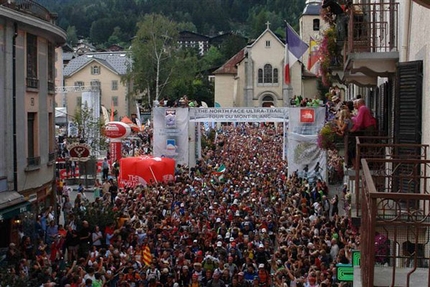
pixel 254 77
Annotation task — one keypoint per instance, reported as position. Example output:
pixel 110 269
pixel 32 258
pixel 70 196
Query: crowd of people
pixel 253 224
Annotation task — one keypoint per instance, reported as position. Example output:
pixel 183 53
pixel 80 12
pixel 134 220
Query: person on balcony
pixel 364 122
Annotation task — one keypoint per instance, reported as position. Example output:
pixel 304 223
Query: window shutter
pixel 407 124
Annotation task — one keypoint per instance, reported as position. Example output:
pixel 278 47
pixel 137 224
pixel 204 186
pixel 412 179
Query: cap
pixel 261 265
pixel 218 220
pixel 231 239
pixel 264 230
pixel 219 244
pixel 261 246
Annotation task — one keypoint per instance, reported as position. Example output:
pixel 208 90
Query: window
pixel 51 133
pixel 115 101
pixel 95 84
pixel 114 85
pixel 78 101
pixel 95 70
pixel 260 76
pixel 267 44
pixel 268 75
pixel 32 158
pixel 51 67
pixel 275 76
pixel 79 84
pixel 316 24
pixel 32 81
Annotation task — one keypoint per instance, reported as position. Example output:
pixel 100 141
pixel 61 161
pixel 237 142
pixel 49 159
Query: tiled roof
pixel 118 62
pixel 230 66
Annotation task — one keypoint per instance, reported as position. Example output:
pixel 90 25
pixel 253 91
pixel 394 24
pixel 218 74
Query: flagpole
pixel 287 89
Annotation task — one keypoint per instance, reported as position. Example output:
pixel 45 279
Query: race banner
pixel 171 134
pixel 238 114
pixel 304 156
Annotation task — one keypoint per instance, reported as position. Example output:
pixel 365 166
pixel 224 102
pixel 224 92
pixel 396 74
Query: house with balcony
pixel 29 37
pixel 383 55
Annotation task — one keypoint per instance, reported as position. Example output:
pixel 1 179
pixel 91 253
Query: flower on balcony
pixel 327 137
pixel 329 54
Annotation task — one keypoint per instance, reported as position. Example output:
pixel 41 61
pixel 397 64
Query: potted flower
pixel 329 55
pixel 327 137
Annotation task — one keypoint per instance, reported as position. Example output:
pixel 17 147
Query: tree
pixel 154 51
pixel 72 38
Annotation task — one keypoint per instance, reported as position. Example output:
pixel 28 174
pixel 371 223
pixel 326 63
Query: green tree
pixel 154 53
pixel 72 38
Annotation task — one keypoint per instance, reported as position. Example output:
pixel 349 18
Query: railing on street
pixel 395 221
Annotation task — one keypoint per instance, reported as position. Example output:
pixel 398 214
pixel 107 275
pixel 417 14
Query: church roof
pixel 230 67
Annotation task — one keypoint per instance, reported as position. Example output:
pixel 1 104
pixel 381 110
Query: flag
pixel 219 173
pixel 294 49
pixel 313 53
pixel 147 256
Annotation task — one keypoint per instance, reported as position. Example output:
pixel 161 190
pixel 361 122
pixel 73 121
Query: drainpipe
pixel 404 56
pixel 15 155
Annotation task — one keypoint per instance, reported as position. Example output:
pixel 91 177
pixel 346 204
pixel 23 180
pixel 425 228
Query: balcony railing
pixel 394 235
pixel 373 27
pixel 33 83
pixel 380 147
pixel 33 161
pixel 30 7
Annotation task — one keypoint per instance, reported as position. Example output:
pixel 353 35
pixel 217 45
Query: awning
pixel 15 210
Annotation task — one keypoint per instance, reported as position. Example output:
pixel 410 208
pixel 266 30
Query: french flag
pixel 294 49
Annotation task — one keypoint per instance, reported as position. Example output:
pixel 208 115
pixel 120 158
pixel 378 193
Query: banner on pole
pixel 171 134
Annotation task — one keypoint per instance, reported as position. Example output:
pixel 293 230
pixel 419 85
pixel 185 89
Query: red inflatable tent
pixel 144 170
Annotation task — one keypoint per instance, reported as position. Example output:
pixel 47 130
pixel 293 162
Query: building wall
pixel 34 181
pixel 224 87
pixel 419 49
pixel 105 78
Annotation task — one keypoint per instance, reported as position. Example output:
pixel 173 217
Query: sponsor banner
pixel 171 134
pixel 115 148
pixel 238 114
pixel 306 121
pixel 306 158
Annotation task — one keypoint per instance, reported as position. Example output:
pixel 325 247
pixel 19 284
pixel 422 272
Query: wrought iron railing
pixel 33 83
pixel 373 27
pixel 380 147
pixel 394 234
pixel 30 7
pixel 33 161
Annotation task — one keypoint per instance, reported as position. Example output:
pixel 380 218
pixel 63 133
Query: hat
pixel 240 273
pixel 261 246
pixel 263 230
pixel 261 265
pixel 335 98
pixel 231 239
pixel 218 220
pixel 219 244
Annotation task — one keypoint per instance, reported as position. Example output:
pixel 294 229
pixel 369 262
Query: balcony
pixel 30 7
pixel 392 201
pixel 370 49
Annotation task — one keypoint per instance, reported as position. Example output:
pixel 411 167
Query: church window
pixel 316 24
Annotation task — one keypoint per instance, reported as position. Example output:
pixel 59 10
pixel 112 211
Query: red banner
pixel 115 149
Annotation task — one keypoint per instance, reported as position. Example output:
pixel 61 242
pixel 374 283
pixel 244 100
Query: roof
pixel 312 8
pixel 118 62
pixel 262 34
pixel 67 56
pixel 230 66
